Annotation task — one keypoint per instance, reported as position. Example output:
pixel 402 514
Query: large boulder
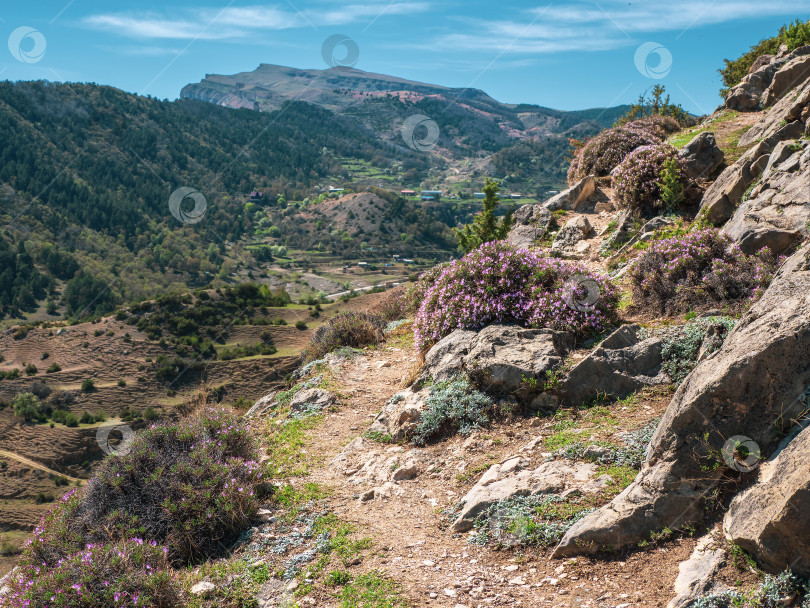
pixel 777 213
pixel 530 223
pixel 746 95
pixel 571 199
pixel 723 196
pixel 771 519
pixel 498 357
pixel 514 477
pixel 623 363
pixel 744 389
pixel 702 156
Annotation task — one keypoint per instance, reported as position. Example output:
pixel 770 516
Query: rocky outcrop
pixel 723 196
pixel 569 241
pixel 400 416
pixel 365 462
pixel 702 156
pixel 743 389
pixel 312 400
pixel 571 199
pixel 777 212
pixel 514 477
pixel 771 519
pixel 530 223
pixel 624 363
pixel 769 79
pixel 786 120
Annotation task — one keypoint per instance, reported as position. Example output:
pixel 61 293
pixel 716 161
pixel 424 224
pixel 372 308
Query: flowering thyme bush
pixel 499 284
pixel 657 126
pixel 701 270
pixel 637 179
pixel 126 573
pixel 605 151
pixel 190 486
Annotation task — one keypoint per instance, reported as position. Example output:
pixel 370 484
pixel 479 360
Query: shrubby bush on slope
pixel 637 180
pixel 191 487
pixel 701 270
pixel 605 151
pixel 347 329
pixel 497 283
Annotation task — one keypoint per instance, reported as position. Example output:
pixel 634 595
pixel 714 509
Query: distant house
pixel 256 197
pixel 362 264
pixel 515 196
pixel 335 190
pixel 479 195
pixel 407 192
pixel 407 261
pixel 431 195
pixel 428 198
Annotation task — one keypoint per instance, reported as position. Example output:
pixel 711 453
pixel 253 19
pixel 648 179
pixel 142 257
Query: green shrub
pixel 30 369
pixel 53 367
pixel 300 325
pixel 122 382
pixel 347 329
pixel 191 486
pixel 27 406
pixel 124 573
pixel 454 406
pixel 87 418
pixel 88 384
pixel 794 35
pixel 682 345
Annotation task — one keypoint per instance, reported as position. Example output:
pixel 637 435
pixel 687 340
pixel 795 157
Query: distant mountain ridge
pixel 469 119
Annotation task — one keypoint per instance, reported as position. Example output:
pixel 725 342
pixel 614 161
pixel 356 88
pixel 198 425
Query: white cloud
pixel 241 22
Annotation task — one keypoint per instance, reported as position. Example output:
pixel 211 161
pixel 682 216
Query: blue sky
pixel 563 54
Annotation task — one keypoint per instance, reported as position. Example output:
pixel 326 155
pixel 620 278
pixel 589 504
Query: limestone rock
pixel 571 199
pixel 782 121
pixel 203 588
pixel 400 415
pixel 777 215
pixel 514 477
pixel 746 95
pixel 529 224
pixel 366 462
pixel 262 405
pixel 624 363
pixel 795 71
pixel 771 519
pixel 575 230
pixel 702 155
pixel 696 575
pixel 312 400
pixel 723 196
pixel 744 389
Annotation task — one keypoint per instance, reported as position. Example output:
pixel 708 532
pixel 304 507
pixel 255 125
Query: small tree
pixel 26 406
pixel 656 105
pixel 671 185
pixel 485 226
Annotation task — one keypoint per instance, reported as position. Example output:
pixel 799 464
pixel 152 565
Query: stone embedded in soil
pixel 696 576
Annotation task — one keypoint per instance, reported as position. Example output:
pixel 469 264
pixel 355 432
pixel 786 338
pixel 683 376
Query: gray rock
pixel 794 72
pixel 400 416
pixel 645 233
pixel 203 588
pixel 262 405
pixel 696 575
pixel 575 230
pixel 514 477
pixel 777 215
pixel 771 519
pixel 312 400
pixel 744 389
pixel 624 363
pixel 702 155
pixel 746 95
pixel 781 120
pixel 571 199
pixel 529 224
pixel 723 196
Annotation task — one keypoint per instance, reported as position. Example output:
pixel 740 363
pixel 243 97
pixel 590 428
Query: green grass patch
pixel 372 590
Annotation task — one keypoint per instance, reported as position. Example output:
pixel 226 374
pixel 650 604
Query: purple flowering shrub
pixel 637 179
pixel 608 149
pixel 701 270
pixel 125 573
pixel 658 126
pixel 191 486
pixel 497 283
